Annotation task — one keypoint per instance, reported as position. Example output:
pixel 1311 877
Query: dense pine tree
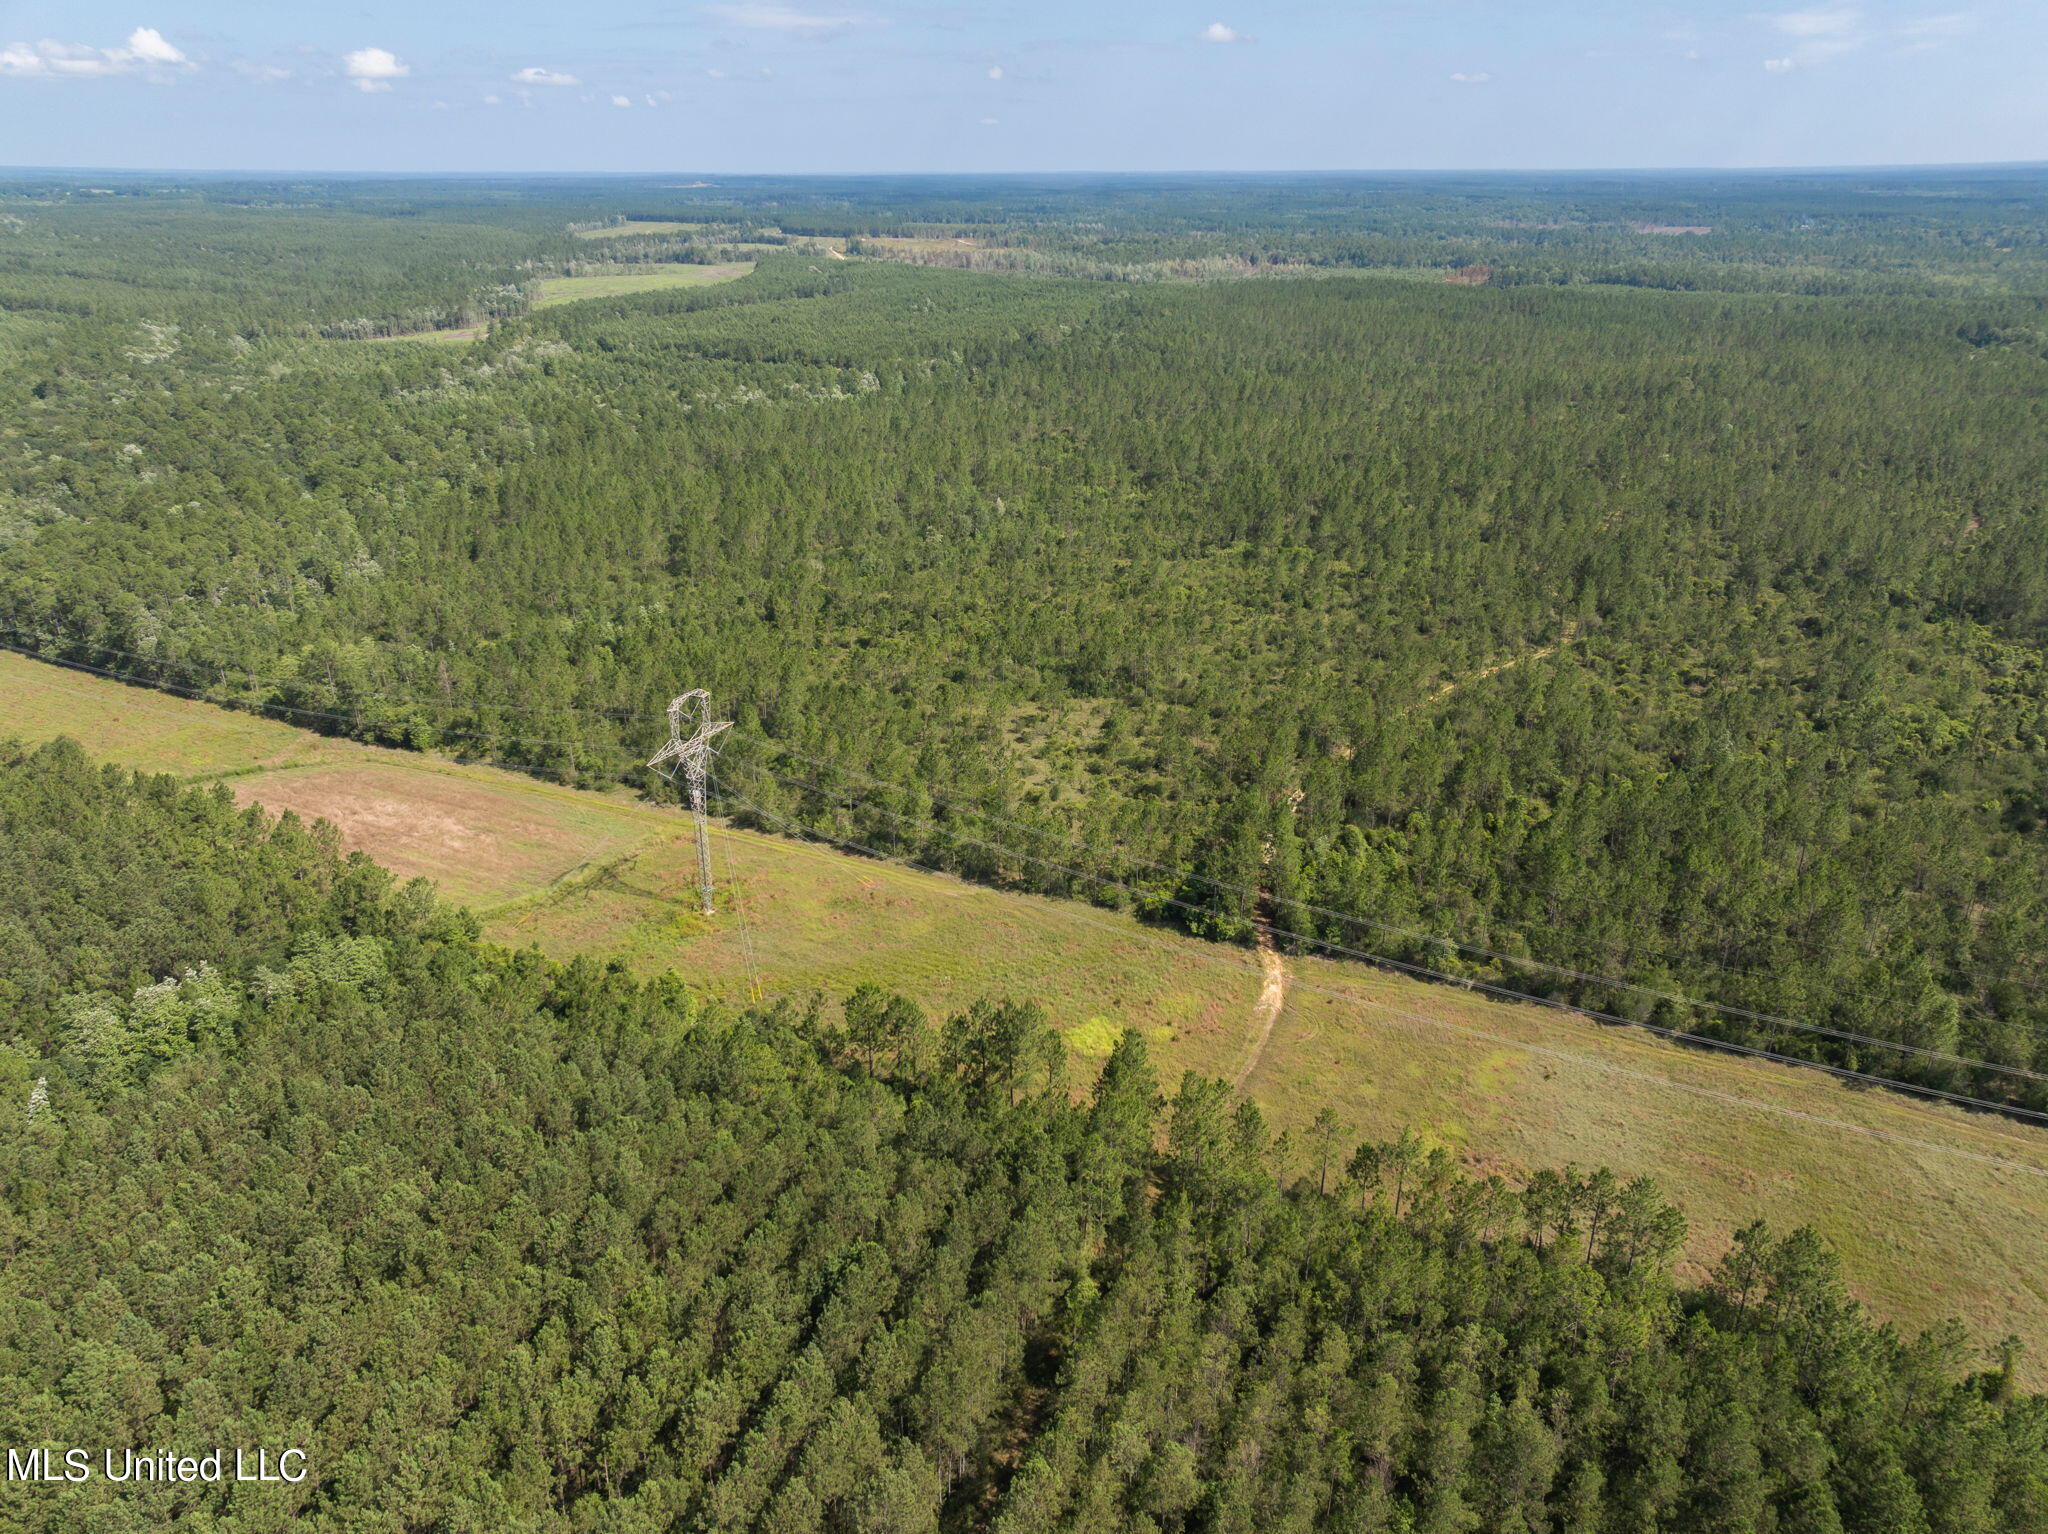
pixel 1667 608
pixel 505 1243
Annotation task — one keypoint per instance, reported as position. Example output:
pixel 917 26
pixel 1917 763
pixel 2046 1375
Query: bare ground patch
pixel 481 843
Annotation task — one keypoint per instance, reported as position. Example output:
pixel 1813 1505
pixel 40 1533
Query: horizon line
pixel 14 171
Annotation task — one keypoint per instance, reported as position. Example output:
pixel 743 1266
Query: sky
pixel 825 86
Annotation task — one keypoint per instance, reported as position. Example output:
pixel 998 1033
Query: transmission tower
pixel 690 732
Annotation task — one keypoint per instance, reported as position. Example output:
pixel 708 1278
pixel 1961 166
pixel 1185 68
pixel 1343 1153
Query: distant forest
pixel 1480 573
pixel 288 1158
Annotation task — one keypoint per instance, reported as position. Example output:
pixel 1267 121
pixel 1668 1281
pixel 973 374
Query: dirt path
pixel 1266 1010
pixel 1571 632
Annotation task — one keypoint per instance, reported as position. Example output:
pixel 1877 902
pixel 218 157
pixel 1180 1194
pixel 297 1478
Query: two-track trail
pixel 1266 1010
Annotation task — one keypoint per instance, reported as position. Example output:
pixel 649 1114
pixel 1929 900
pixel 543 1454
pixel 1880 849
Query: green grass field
pixel 638 226
pixel 636 279
pixel 455 335
pixel 1935 1211
pixel 624 282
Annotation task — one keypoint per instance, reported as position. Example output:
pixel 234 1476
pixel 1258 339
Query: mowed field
pixel 638 226
pixel 1935 1211
pixel 919 245
pixel 454 335
pixel 629 280
pixel 622 283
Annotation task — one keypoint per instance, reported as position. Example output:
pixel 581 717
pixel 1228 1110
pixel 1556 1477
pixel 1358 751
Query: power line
pixel 1689 929
pixel 474 705
pixel 1471 949
pixel 296 681
pixel 255 726
pixel 1422 971
pixel 1392 930
pixel 1506 993
pixel 237 704
pixel 739 903
pixel 1383 959
pixel 1211 953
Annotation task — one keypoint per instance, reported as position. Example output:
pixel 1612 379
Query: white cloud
pixel 491 101
pixel 1820 22
pixel 256 71
pixel 1217 32
pixel 1826 32
pixel 77 59
pixel 995 71
pixel 990 122
pixel 772 16
pixel 1954 24
pixel 534 74
pixel 373 69
pixel 622 101
pixel 145 50
pixel 1475 79
pixel 1778 66
pixel 148 45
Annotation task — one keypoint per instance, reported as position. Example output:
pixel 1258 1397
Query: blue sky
pixel 913 85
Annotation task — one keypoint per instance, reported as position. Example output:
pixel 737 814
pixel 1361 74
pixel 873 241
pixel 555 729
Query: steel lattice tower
pixel 690 732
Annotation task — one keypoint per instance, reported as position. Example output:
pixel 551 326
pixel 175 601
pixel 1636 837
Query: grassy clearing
pixel 639 279
pixel 809 919
pixel 484 842
pixel 139 728
pixel 920 245
pixel 1935 1211
pixel 624 282
pixel 638 226
pixel 455 335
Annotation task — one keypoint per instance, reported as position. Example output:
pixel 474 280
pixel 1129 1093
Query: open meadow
pixel 1934 1210
pixel 453 335
pixel 630 281
pixel 638 226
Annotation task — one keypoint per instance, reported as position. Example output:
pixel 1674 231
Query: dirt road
pixel 1266 1010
